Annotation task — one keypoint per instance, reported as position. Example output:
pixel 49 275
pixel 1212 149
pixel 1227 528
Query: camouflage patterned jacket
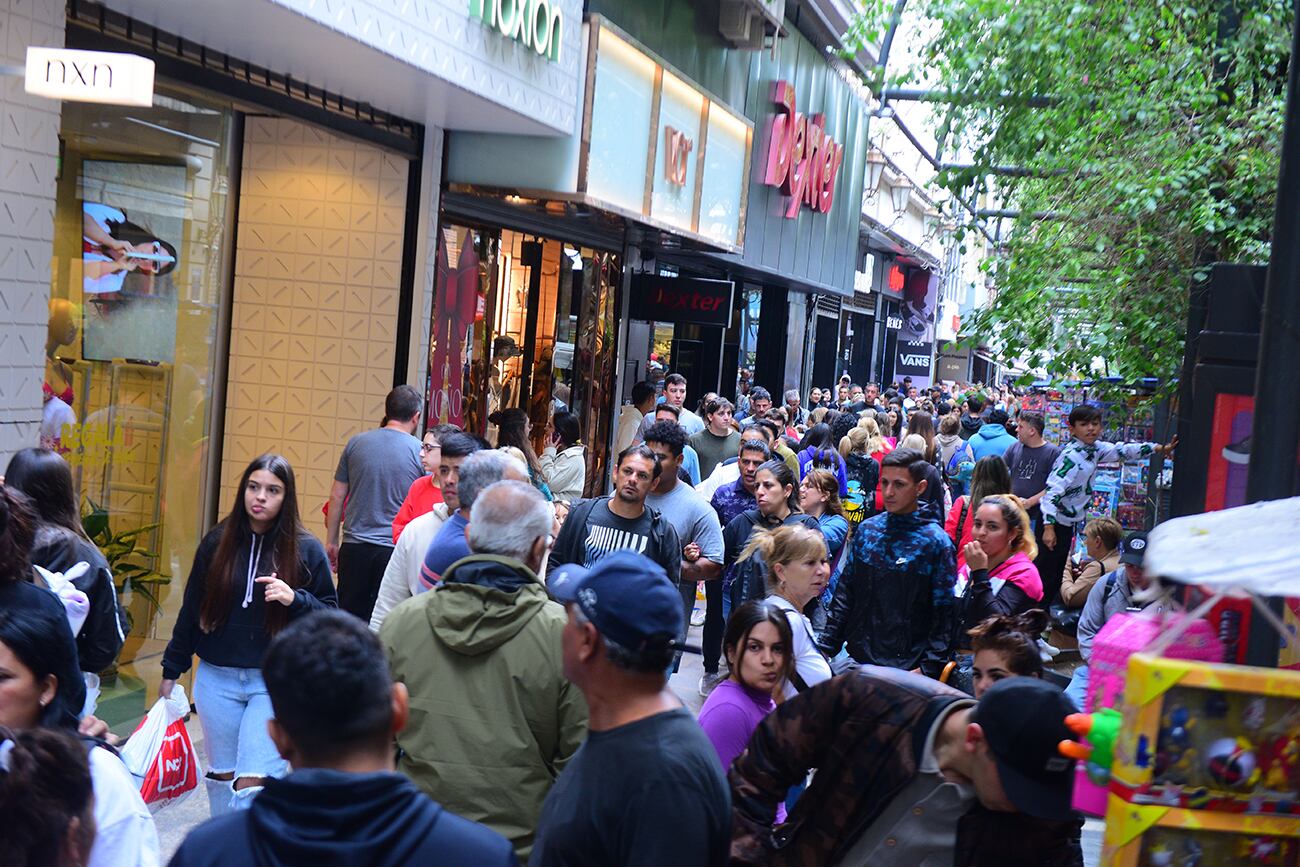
pixel 864 731
pixel 1069 484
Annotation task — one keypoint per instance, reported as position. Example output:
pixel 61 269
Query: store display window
pixel 140 265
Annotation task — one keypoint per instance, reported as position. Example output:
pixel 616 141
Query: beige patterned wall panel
pixel 317 292
pixel 29 148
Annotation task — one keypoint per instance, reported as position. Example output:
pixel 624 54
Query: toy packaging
pixel 1206 766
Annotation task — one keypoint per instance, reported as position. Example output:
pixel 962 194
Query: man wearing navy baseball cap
pixel 645 787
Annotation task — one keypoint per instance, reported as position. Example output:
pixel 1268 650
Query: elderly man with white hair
pixel 493 719
pixel 435 540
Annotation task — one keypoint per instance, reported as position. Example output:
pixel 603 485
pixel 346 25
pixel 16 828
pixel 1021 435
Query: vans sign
pixel 913 358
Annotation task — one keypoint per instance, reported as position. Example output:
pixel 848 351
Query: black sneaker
pixel 1238 452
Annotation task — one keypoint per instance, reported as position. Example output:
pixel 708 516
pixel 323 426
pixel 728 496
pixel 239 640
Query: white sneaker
pixel 1047 652
pixel 697 617
pixel 709 681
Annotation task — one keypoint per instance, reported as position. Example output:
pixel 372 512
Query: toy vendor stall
pixel 1199 763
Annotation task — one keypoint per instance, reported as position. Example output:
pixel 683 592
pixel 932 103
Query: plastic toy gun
pixel 1101 729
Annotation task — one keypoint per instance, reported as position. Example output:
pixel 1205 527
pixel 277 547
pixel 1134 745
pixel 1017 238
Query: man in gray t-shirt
pixel 374 474
pixel 1030 460
pixel 694 519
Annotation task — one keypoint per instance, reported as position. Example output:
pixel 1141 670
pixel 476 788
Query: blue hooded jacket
pixel 991 439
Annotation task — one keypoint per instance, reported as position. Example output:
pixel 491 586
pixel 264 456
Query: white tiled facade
pixel 440 38
pixel 29 147
pixel 317 288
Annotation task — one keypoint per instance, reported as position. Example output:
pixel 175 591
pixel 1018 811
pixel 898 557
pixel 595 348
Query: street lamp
pixel 933 222
pixel 875 168
pixel 901 191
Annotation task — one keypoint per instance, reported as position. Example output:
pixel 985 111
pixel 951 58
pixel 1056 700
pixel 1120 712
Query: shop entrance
pixel 523 322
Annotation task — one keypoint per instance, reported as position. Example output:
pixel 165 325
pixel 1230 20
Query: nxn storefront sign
pixel 89 76
pixel 538 24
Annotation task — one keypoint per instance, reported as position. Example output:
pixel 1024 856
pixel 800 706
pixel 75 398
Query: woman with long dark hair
pixel 253 573
pixel 60 545
pixel 42 688
pixel 776 494
pixel 564 459
pixel 758 646
pixel 991 476
pixel 515 428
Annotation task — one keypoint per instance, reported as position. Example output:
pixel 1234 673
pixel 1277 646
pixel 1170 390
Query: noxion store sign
pixel 538 24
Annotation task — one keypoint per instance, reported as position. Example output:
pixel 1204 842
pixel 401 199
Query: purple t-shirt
pixel 729 716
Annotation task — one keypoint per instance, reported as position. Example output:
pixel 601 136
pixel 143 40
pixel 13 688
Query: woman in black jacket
pixel 253 573
pixel 61 545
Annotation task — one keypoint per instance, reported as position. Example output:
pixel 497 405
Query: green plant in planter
pixel 127 560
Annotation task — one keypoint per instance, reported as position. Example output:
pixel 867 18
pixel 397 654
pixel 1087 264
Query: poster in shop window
pixel 916 334
pixel 132 227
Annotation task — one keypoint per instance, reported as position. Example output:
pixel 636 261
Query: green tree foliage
pixel 1153 129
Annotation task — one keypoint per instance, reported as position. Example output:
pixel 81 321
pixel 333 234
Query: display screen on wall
pixel 132 226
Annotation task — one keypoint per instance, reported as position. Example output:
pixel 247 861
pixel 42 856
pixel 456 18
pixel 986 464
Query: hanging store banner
pixel 657 298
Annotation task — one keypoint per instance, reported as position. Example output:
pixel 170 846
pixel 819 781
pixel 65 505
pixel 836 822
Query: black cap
pixel 1133 548
pixel 1023 719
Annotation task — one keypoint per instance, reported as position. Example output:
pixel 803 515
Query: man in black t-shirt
pixel 596 528
pixel 646 787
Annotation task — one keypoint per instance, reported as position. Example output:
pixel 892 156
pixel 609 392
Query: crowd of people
pixel 475 665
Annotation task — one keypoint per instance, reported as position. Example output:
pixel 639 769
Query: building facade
pixel 247 265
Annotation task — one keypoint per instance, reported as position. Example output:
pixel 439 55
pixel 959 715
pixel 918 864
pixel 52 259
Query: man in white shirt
pixel 675 394
pixel 632 414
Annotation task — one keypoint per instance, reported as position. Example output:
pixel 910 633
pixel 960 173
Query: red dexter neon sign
pixel 801 159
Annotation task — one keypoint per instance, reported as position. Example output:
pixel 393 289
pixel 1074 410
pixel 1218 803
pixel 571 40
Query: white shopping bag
pixel 75 602
pixel 159 753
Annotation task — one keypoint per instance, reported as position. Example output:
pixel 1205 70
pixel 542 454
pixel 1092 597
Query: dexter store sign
pixel 661 298
pixel 801 158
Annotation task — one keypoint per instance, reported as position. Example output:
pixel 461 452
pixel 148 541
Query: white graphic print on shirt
pixel 603 540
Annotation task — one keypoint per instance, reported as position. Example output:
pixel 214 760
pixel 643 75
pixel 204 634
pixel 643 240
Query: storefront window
pixel 523 322
pixel 139 268
pixel 751 304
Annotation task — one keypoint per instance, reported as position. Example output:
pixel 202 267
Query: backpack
pixel 859 503
pixel 960 468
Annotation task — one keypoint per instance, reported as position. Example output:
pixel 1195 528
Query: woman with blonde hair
pixel 990 476
pixel 863 473
pixel 877 446
pixel 797 572
pixel 819 497
pixel 999 577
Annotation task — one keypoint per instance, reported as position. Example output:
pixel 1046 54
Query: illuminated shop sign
pixel 89 76
pixel 537 24
pixel 801 158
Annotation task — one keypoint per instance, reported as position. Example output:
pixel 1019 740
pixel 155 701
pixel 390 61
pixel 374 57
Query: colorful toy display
pixel 1207 766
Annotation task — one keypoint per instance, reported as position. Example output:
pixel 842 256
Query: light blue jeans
pixel 233 709
pixel 1077 691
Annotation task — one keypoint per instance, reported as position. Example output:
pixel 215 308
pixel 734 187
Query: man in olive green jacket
pixel 493 719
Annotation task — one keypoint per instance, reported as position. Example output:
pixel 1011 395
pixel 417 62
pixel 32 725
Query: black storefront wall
pixel 825 355
pixel 890 324
pixel 856 344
